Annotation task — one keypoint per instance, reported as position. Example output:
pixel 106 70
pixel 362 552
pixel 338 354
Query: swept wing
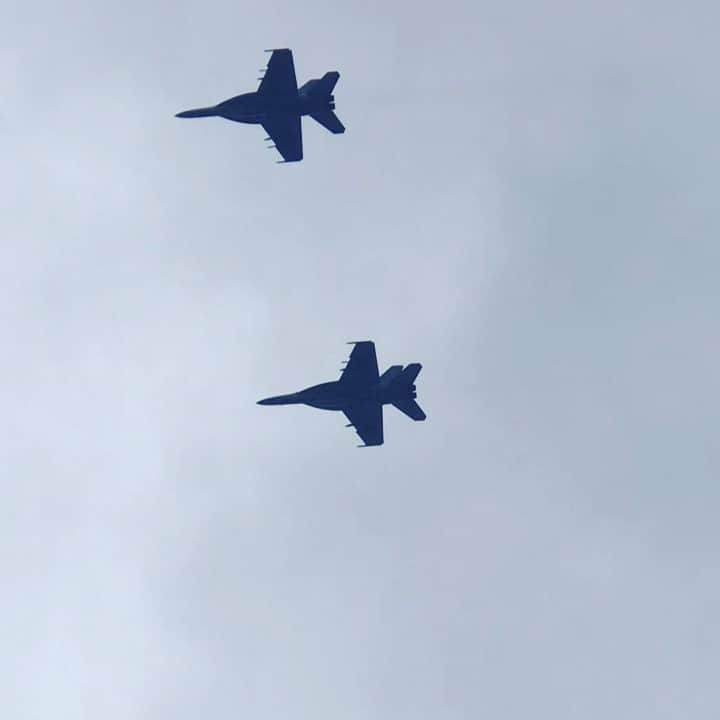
pixel 279 76
pixel 362 367
pixel 285 131
pixel 367 419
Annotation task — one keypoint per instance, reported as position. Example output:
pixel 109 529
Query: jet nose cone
pixel 198 112
pixel 278 400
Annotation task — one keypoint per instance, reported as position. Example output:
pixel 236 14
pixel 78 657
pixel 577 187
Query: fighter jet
pixel 361 393
pixel 279 104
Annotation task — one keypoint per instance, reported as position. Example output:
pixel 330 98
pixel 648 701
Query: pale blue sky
pixel 524 201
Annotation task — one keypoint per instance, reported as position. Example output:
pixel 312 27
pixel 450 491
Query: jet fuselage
pixel 279 105
pixel 253 107
pixel 337 395
pixel 361 392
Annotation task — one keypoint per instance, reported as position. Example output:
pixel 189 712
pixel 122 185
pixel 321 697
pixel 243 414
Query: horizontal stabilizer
pixel 410 408
pixel 329 120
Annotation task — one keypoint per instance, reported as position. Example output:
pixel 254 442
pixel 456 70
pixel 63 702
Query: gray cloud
pixel 523 202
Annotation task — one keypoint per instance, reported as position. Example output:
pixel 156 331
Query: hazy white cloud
pixel 524 202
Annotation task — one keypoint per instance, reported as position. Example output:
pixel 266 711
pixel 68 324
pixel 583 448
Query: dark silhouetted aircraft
pixel 361 393
pixel 279 104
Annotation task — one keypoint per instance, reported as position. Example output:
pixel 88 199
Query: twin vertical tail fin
pixel 407 404
pixel 326 84
pixel 408 375
pixel 323 87
pixel 390 376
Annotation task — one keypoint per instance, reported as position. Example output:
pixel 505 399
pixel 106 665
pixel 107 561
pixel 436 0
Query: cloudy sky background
pixel 525 201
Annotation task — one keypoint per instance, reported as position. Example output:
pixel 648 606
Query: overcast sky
pixel 525 202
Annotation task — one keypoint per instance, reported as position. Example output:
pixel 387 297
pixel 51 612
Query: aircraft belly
pixel 250 118
pixel 258 117
pixel 324 404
